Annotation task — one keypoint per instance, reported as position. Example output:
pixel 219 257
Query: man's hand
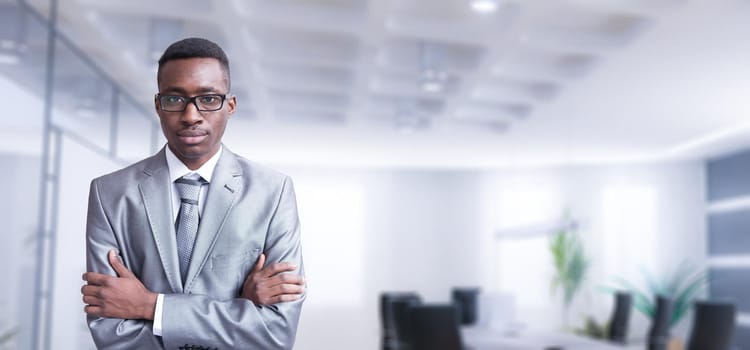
pixel 265 286
pixel 117 297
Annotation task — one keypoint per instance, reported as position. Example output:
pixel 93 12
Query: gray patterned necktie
pixel 188 187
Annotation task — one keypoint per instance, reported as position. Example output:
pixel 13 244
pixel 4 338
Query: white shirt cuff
pixel 157 314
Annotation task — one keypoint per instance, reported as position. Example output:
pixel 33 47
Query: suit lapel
pixel 157 198
pixel 224 188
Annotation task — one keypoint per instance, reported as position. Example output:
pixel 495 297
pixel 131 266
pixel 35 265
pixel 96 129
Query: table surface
pixel 488 339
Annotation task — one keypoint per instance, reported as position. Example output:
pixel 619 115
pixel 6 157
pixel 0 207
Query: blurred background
pixel 536 155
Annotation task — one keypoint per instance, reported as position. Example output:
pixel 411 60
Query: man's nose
pixel 191 114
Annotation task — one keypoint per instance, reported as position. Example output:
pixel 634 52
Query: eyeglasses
pixel 204 103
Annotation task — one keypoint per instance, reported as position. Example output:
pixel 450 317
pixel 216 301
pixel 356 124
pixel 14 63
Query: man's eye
pixel 173 99
pixel 208 99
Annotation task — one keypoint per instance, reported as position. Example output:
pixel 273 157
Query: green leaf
pixel 8 335
pixel 682 286
pixel 676 280
pixel 684 300
pixel 654 286
pixel 570 264
pixel 644 304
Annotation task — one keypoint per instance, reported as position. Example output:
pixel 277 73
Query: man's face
pixel 194 136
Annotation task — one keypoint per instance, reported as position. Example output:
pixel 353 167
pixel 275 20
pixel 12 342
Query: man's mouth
pixel 192 136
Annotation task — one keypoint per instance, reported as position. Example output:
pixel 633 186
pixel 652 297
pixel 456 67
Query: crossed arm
pixel 127 298
pixel 124 297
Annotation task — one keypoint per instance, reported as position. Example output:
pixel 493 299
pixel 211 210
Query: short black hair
pixel 194 48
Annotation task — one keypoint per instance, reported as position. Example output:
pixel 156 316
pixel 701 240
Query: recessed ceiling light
pixel 484 6
pixel 9 58
pixel 432 86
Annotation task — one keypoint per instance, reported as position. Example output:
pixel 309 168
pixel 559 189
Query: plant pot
pixel 675 343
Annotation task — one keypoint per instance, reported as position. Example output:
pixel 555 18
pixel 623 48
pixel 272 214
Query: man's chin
pixel 192 153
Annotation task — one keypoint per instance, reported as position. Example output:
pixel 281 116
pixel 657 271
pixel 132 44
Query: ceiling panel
pixel 527 69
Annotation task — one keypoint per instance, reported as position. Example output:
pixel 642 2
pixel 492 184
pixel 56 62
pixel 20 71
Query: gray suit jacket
pixel 249 209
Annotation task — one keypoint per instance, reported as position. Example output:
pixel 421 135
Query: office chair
pixel 436 327
pixel 618 324
pixel 396 320
pixel 713 326
pixel 658 335
pixel 466 300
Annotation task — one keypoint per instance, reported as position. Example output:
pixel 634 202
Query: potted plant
pixel 570 267
pixel 682 286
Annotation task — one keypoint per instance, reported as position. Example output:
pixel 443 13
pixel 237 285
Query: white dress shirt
pixel 178 169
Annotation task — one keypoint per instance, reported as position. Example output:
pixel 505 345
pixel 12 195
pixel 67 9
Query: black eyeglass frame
pixel 192 100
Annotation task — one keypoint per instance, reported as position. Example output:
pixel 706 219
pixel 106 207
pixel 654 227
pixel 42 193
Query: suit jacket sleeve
pixel 110 333
pixel 238 323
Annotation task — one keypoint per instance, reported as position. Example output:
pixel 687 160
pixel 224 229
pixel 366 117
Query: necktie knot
pixel 189 187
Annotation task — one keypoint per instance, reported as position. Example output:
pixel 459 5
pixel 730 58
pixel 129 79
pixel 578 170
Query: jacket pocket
pixel 234 267
pixel 234 260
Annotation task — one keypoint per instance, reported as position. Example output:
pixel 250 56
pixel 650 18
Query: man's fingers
pixel 91 300
pixel 90 290
pixel 284 298
pixel 285 278
pixel 94 278
pixel 117 264
pixel 259 264
pixel 277 268
pixel 92 310
pixel 282 289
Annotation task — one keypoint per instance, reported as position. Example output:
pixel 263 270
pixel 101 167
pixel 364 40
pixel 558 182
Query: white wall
pixel 428 231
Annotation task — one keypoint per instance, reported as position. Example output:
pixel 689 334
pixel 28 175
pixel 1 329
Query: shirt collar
pixel 178 169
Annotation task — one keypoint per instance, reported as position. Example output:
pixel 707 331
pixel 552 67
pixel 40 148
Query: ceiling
pixel 436 83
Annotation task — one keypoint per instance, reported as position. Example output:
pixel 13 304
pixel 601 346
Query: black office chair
pixel 466 300
pixel 436 327
pixel 395 319
pixel 713 326
pixel 658 335
pixel 618 324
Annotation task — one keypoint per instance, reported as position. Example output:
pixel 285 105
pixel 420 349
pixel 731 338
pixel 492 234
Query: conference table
pixel 482 338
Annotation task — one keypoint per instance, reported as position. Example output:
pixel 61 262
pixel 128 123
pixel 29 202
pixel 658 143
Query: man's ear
pixel 231 104
pixel 156 103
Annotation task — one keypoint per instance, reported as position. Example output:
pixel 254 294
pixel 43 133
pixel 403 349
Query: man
pixel 176 244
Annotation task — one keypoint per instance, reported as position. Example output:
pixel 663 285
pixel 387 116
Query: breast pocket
pixel 234 266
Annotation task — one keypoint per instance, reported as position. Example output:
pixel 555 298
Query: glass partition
pixel 135 127
pixel 82 99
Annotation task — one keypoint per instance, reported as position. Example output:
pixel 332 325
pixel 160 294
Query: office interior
pixel 439 149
